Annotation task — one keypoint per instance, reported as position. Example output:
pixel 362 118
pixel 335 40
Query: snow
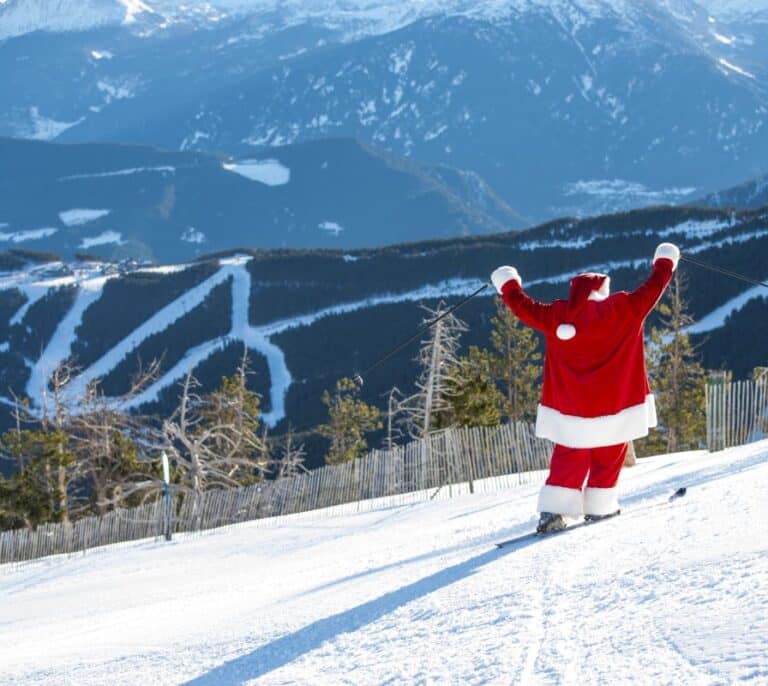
pixel 734 68
pixel 417 593
pixel 77 217
pixel 353 20
pixel 120 172
pixel 30 235
pixel 693 229
pixel 192 235
pixel 161 320
pixel 735 9
pixel 43 128
pixel 613 189
pixel 716 318
pixel 331 227
pixel 103 238
pixel 59 348
pixel 164 269
pixel 253 337
pixel 123 88
pixel 269 172
pixel 133 8
pixel 725 40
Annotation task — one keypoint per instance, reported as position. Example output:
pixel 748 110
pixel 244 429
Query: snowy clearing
pixel 418 594
pixel 103 238
pixel 269 172
pixel 79 216
pixel 31 235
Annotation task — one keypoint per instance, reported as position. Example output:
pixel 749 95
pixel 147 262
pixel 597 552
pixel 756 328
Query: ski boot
pixel 597 517
pixel 550 522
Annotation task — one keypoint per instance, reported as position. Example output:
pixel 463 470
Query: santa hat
pixel 584 287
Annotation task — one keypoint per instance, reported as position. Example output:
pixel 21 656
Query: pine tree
pixel 236 410
pixel 349 419
pixel 515 364
pixel 39 491
pixel 473 398
pixel 677 378
pixel 212 440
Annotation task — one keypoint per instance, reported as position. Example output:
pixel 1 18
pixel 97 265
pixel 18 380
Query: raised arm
pixel 529 311
pixel 665 260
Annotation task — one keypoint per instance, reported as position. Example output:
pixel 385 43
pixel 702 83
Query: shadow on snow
pixel 286 649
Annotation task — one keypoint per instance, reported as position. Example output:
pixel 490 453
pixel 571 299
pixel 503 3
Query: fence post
pixel 167 498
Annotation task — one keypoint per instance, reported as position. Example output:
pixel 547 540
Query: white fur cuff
pixel 560 500
pixel 504 274
pixel 600 501
pixel 667 251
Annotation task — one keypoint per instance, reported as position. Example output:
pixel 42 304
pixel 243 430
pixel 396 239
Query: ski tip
pixel 679 493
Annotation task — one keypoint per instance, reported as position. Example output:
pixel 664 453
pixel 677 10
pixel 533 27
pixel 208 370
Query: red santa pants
pixel 570 468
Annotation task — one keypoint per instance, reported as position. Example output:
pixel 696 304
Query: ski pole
pixel 720 270
pixel 359 377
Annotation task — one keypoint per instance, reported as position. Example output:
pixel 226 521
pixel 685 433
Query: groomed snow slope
pixel 675 594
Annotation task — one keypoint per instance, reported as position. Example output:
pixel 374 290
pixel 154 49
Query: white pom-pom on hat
pixel 565 332
pixel 503 275
pixel 667 251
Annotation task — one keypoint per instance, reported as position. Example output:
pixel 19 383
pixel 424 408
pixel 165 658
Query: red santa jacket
pixel 595 391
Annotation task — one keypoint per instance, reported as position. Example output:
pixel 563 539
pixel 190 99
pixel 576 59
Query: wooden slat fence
pixel 737 412
pixel 418 469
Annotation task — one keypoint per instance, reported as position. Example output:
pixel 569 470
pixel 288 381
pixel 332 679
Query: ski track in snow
pixel 418 594
pixel 257 338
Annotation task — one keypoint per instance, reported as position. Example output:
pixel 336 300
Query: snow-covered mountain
pixel 417 593
pixel 353 18
pixel 311 317
pixel 574 107
pixel 121 202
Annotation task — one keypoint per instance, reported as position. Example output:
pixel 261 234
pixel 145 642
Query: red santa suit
pixel 595 395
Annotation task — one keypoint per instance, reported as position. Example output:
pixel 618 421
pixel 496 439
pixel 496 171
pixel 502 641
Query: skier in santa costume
pixel 595 397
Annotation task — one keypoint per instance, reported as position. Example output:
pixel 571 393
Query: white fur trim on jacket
pixel 595 432
pixel 603 292
pixel 501 275
pixel 600 501
pixel 668 251
pixel 560 500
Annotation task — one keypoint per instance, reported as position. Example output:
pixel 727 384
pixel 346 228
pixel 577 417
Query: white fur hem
pixel 595 432
pixel 560 500
pixel 601 501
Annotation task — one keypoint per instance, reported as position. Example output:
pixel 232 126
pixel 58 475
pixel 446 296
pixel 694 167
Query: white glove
pixel 502 275
pixel 668 251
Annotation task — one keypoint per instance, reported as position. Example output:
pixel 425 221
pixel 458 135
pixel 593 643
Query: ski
pixel 534 535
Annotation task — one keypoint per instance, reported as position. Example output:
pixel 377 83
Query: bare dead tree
pixel 438 360
pixel 391 424
pixel 291 462
pixel 116 450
